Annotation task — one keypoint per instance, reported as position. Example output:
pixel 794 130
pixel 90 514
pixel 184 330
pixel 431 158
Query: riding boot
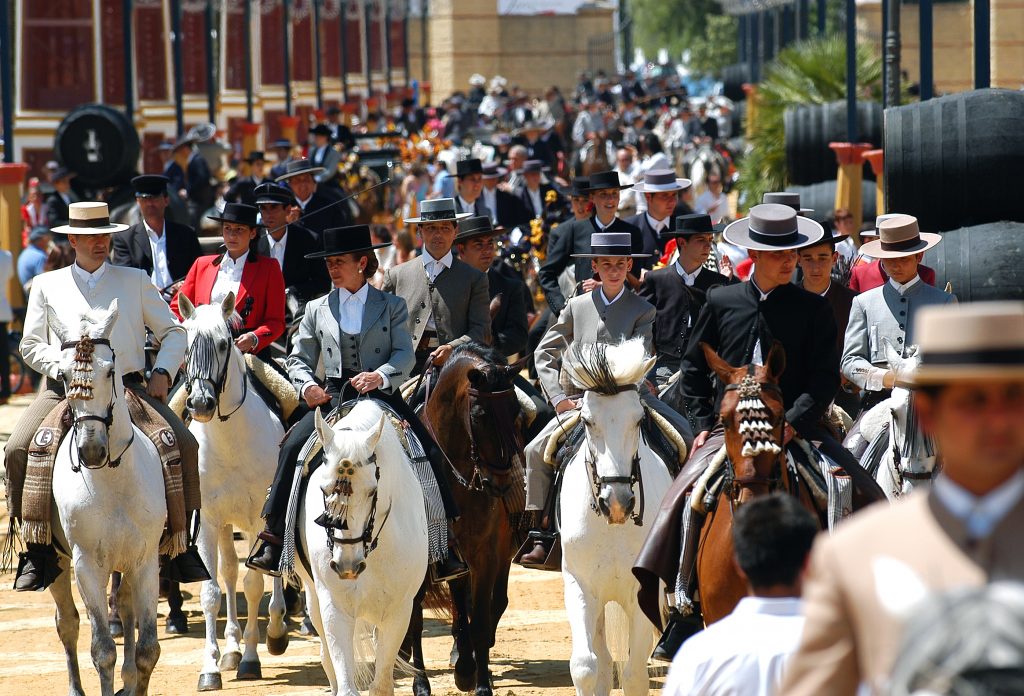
pixel 452 566
pixel 546 553
pixel 185 567
pixel 679 628
pixel 689 541
pixel 266 554
pixel 38 567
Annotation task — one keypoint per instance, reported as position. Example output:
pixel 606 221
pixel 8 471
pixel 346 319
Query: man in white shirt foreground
pixel 746 652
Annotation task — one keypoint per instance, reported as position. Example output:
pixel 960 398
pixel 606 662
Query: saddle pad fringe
pixel 526 403
pixel 669 432
pixel 37 492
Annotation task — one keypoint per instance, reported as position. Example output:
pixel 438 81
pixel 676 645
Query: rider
pixel 660 189
pixel 608 314
pixel 887 312
pixel 91 283
pixel 361 334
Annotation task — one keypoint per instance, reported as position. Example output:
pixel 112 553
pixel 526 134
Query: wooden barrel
pixel 733 77
pixel 821 198
pixel 811 127
pixel 982 262
pixel 99 144
pixel 956 161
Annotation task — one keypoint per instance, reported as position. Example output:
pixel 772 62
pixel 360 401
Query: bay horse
pixel 474 414
pixel 611 491
pixel 108 492
pixel 595 155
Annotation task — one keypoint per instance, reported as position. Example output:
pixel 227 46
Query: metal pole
pixel 752 31
pixel 885 57
pixel 803 26
pixel 247 42
pixel 287 21
pixel 405 44
pixel 179 111
pixel 211 70
pixel 851 70
pixel 892 54
pixel 369 48
pixel 343 25
pixel 129 63
pixel 316 46
pixel 387 45
pixel 741 39
pixel 788 25
pixel 822 12
pixel 626 27
pixel 423 41
pixel 982 53
pixel 925 23
pixel 5 80
pixel 761 40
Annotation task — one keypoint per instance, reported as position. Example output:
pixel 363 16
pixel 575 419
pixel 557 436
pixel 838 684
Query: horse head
pixel 350 478
pixel 913 451
pixel 753 414
pixel 209 353
pixel 610 377
pixel 90 380
pixel 492 424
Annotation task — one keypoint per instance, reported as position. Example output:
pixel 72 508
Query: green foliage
pixel 670 24
pixel 810 72
pixel 716 47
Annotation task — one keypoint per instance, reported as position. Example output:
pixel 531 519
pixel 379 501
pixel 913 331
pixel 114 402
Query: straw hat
pixel 89 218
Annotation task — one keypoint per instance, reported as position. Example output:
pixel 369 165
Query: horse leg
pixel 481 628
pixel 228 569
pixel 113 618
pixel 145 588
pixel 413 645
pixel 92 585
pixel 499 600
pixel 338 639
pixel 249 667
pixel 635 681
pixel 465 664
pixel 277 628
pixel 177 622
pixel 126 609
pixel 389 640
pixel 313 605
pixel 209 599
pixel 67 621
pixel 605 661
pixel 583 620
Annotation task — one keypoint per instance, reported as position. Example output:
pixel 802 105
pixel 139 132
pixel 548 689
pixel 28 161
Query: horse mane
pixel 605 369
pixel 201 355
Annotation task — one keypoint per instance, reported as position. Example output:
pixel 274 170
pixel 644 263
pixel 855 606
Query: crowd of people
pixel 491 235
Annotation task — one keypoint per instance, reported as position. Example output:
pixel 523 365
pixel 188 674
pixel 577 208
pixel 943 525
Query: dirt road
pixel 530 658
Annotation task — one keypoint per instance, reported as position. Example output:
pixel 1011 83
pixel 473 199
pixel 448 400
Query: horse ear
pixel 323 430
pixel 648 366
pixel 776 363
pixel 107 325
pixel 227 305
pixel 723 369
pixel 377 432
pixel 56 325
pixel 185 306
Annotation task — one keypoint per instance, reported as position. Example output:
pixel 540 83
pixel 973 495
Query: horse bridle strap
pixel 218 383
pixel 368 539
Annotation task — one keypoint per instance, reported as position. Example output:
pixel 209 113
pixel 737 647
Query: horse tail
pixel 616 636
pixel 439 599
pixel 364 649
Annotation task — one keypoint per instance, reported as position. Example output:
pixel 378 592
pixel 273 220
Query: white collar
pixel 153 236
pixel 979 514
pixel 304 203
pixel 359 295
pixel 466 205
pixel 689 278
pixel 429 260
pixel 601 226
pixel 902 288
pixel 90 278
pixel 764 295
pixel 614 299
pixel 283 240
pixel 658 225
pixel 776 606
pixel 232 264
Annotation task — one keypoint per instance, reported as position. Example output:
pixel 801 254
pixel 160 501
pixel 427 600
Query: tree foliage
pixel 716 47
pixel 671 24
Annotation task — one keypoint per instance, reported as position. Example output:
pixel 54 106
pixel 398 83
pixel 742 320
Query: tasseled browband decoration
pixel 81 384
pixel 755 420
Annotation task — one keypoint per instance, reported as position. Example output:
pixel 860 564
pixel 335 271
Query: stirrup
pixel 551 540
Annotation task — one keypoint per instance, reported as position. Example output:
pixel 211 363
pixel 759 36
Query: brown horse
pixel 475 416
pixel 593 157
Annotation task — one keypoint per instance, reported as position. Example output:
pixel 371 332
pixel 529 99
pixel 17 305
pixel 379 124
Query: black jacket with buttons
pixel 678 305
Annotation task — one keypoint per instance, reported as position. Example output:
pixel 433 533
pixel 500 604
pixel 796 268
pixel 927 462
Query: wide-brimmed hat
pixel 773 227
pixel 437 210
pixel 533 165
pixel 686 225
pixel 610 244
pixel 297 167
pixel 878 221
pixel 580 186
pixel 899 236
pixel 237 212
pixel 492 170
pixel 345 240
pixel 479 226
pixel 600 181
pixel 477 80
pixel 255 156
pixel 790 198
pixel 150 185
pixel 468 166
pixel 185 140
pixel 974 341
pixel 532 126
pixel 272 193
pixel 62 173
pixel 321 129
pixel 281 143
pixel 89 217
pixel 658 180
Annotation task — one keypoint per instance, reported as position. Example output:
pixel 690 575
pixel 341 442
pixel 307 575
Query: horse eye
pixel 222 343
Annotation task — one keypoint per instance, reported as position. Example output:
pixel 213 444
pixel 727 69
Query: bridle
pixel 498 406
pixel 750 390
pixel 635 478
pixel 81 388
pixel 194 372
pixel 334 525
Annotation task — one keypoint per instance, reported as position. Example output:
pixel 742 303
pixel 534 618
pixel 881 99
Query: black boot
pixel 266 556
pixel 678 630
pixel 38 567
pixel 452 566
pixel 546 553
pixel 185 567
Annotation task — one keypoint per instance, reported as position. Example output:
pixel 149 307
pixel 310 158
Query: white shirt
pixel 688 278
pixel 902 288
pixel 229 276
pixel 656 225
pixel 535 200
pixel 434 268
pixel 88 278
pixel 756 358
pixel 601 226
pixel 160 276
pixel 979 515
pixel 303 204
pixel 744 654
pixel 466 206
pixel 277 247
pixel 612 301
pixel 707 200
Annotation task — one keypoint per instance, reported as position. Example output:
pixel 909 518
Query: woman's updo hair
pixel 372 264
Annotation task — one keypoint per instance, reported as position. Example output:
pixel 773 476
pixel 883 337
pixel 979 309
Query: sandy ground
pixel 530 658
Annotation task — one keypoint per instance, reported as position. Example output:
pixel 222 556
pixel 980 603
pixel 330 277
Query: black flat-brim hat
pixel 788 198
pixel 473 227
pixel 601 181
pixel 321 129
pixel 150 185
pixel 255 156
pixel 345 240
pixel 184 141
pixel 437 210
pixel 580 187
pixel 297 167
pixel 62 173
pixel 533 166
pixel 686 225
pixel 610 244
pixel 492 170
pixel 773 227
pixel 281 144
pixel 237 212
pixel 468 166
pixel 272 193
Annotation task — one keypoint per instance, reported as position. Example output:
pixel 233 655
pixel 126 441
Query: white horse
pixel 108 491
pixel 368 564
pixel 239 438
pixel 899 454
pixel 611 492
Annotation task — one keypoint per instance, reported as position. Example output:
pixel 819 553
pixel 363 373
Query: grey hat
pixel 610 244
pixel 437 210
pixel 790 198
pixel 773 227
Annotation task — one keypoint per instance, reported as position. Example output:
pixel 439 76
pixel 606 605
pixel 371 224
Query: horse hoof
pixel 177 625
pixel 277 645
pixel 465 673
pixel 307 628
pixel 483 691
pixel 116 629
pixel 229 661
pixel 248 671
pixel 210 682
pixel 420 686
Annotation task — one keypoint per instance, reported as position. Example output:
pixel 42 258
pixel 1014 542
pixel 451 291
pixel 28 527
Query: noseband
pixel 499 407
pixel 198 367
pixel 81 388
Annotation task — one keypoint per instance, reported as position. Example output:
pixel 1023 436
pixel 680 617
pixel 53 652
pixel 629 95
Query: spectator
pixel 405 247
pixel 713 201
pixel 745 653
pixel 33 212
pixel 629 173
pixel 6 271
pixel 32 259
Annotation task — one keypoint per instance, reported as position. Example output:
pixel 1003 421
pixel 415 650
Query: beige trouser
pixel 16 452
pixel 539 474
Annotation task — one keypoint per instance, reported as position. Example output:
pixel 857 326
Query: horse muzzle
pixel 348 571
pixel 616 502
pixel 92 446
pixel 201 407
